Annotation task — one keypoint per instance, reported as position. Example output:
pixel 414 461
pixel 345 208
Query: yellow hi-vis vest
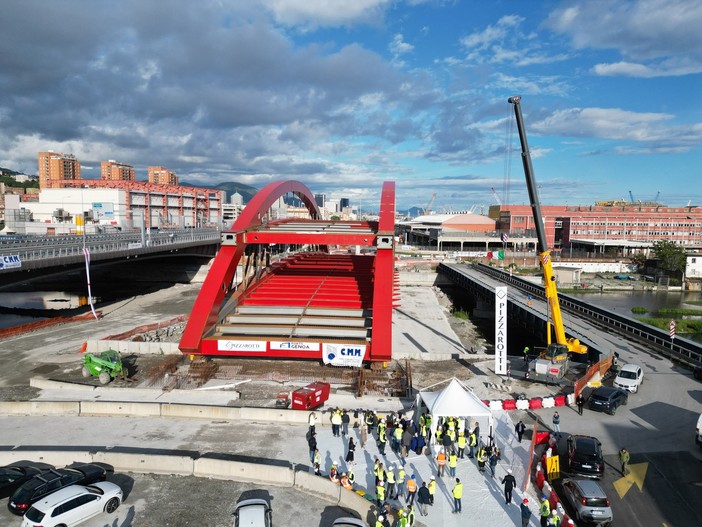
pixel 458 491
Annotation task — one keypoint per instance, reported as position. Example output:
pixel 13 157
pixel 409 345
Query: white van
pixel 698 431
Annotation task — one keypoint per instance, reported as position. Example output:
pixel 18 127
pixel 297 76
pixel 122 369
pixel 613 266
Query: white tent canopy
pixel 456 400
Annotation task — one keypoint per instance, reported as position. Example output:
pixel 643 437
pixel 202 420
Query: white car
pixel 255 512
pixel 630 377
pixel 73 505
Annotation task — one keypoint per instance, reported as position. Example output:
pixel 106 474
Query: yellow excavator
pixel 553 362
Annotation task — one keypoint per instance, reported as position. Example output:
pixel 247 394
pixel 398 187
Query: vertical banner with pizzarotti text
pixel 501 330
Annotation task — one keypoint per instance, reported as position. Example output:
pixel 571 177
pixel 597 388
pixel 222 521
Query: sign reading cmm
pixel 10 261
pixel 501 330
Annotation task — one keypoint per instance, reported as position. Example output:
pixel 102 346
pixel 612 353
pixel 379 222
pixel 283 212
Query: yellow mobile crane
pixel 554 361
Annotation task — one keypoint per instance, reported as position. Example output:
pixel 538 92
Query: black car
pixel 606 399
pixel 585 456
pixel 697 372
pixel 51 481
pixel 12 476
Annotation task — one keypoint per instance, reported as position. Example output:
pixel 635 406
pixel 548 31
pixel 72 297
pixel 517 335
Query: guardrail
pixel 35 253
pixel 680 348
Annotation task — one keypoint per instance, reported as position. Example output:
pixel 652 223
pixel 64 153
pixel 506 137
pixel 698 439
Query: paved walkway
pixel 483 497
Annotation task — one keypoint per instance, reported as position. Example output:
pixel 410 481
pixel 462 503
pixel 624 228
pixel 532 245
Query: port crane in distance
pixel 553 363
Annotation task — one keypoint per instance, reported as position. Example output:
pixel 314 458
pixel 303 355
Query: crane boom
pixel 551 291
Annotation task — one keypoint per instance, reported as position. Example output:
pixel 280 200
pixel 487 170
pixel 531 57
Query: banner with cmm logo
pixel 343 354
pixel 501 330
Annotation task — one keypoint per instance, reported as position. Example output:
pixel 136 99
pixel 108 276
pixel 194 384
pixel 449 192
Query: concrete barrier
pixel 127 347
pixel 146 463
pixel 39 408
pixel 120 408
pixel 275 415
pixel 57 458
pixel 209 467
pixel 228 413
pixel 317 485
pixel 48 384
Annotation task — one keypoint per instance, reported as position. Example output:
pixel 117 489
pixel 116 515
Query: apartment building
pixel 54 166
pixel 162 176
pixel 113 171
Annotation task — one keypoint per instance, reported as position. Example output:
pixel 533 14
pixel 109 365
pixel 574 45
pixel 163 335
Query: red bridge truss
pixel 312 305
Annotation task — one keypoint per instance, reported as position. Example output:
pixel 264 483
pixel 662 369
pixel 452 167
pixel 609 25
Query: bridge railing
pixel 679 348
pixel 33 249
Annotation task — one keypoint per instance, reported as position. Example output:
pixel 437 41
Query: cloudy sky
pixel 345 94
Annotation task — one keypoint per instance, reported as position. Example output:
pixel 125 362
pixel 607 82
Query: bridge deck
pixel 307 296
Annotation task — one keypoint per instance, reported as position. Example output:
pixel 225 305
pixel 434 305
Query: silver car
pixel 588 500
pixel 255 512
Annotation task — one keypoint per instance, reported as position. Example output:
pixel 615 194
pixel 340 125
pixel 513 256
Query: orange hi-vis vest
pixel 411 485
pixel 441 458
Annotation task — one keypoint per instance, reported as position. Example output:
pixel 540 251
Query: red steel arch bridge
pixel 315 304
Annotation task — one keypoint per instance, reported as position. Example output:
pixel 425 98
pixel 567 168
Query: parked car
pixel 585 456
pixel 55 479
pixel 12 476
pixel 73 505
pixel 255 512
pixel 588 500
pixel 697 373
pixel 606 399
pixel 630 377
pixel 698 431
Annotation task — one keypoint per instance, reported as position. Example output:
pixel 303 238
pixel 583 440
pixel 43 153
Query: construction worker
pixel 400 482
pixel 544 511
pixel 555 519
pixel 452 463
pixel 382 440
pixel 410 516
pixel 396 438
pixel 380 494
pixel 472 444
pixel 345 482
pixel 462 442
pixel 482 459
pixel 351 477
pixel 334 474
pixel 390 481
pixel 441 462
pixel 402 518
pixel 380 522
pixel 411 489
pixel 380 474
pixel 457 495
pixel 432 490
pixel 526 350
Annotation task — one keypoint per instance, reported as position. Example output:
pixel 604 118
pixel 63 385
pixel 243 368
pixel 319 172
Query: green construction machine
pixel 106 366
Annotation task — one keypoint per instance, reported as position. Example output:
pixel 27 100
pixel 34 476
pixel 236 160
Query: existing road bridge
pixel 46 254
pixel 598 328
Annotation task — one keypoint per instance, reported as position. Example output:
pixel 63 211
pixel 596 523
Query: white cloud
pixel 621 125
pixel 315 13
pixel 655 37
pixel 399 47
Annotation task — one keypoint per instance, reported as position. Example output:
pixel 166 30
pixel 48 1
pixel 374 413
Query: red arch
pixel 205 312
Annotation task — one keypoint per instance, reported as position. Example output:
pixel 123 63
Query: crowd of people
pixel 398 494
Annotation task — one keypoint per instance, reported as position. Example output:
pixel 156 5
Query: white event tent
pixel 456 400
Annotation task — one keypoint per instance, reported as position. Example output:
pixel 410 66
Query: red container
pixel 535 403
pixel 559 400
pixel 509 404
pixel 310 396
